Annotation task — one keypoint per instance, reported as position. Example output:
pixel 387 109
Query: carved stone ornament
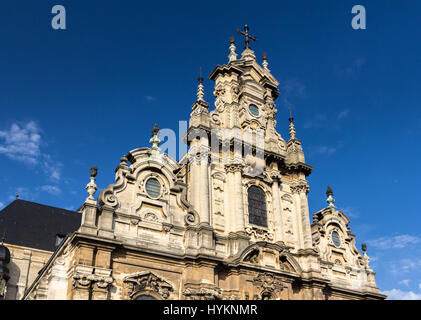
pixel 269 284
pixel 191 218
pixel 146 281
pixel 295 147
pixel 300 187
pixel 150 217
pixel 108 198
pixel 259 233
pixel 233 167
pixel 253 257
pixel 86 280
pixel 203 293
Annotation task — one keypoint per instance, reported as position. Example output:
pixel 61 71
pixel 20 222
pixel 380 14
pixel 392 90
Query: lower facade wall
pixel 24 265
pixel 106 271
pixel 138 276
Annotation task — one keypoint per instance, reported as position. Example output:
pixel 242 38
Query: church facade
pixel 229 220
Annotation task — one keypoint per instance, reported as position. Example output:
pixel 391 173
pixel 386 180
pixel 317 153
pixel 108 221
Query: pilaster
pixel 106 222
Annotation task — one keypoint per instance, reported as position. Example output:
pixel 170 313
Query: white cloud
pixel 1 205
pixel 150 98
pixel 405 265
pixel 51 168
pixel 405 282
pixel 51 189
pixel 419 286
pixel 350 212
pixel 397 242
pixel 396 294
pixel 22 193
pixel 21 143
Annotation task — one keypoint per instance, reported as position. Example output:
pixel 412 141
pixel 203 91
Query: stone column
pixel 229 204
pixel 239 209
pixel 298 219
pixel 277 207
pixel 204 186
pixel 195 183
pixel 305 216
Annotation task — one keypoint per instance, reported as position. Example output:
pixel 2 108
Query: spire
pixel 265 61
pixel 91 187
pixel 330 200
pixel 233 55
pixel 291 125
pixel 329 191
pixel 154 141
pixel 200 90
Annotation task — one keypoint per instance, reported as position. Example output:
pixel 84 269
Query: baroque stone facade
pixel 221 223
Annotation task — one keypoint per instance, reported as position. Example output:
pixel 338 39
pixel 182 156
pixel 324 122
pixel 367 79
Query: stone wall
pixel 24 265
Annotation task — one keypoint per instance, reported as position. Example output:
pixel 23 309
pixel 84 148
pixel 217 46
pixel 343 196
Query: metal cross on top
pixel 246 34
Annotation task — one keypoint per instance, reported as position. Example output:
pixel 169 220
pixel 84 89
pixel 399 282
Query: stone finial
pixel 155 130
pixel 123 160
pixel 291 125
pixel 233 55
pixel 91 187
pixel 265 63
pixel 364 247
pixel 154 141
pixel 17 196
pixel 200 89
pixel 329 191
pixel 330 199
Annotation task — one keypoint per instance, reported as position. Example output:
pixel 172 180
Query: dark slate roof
pixel 35 225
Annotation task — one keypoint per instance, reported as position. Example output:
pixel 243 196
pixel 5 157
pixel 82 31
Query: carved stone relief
pixel 146 282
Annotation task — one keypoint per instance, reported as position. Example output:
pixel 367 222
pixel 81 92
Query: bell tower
pixel 245 181
pixel 244 96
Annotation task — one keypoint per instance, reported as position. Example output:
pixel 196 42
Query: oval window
pixel 254 110
pixel 335 239
pixel 153 188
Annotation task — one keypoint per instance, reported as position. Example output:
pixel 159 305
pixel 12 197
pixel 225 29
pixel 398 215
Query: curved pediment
pixel 271 255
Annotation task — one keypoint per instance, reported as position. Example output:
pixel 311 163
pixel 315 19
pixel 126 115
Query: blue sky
pixel 87 95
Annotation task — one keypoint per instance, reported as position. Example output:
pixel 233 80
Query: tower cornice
pixel 224 69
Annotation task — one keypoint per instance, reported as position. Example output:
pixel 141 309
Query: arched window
pixel 257 206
